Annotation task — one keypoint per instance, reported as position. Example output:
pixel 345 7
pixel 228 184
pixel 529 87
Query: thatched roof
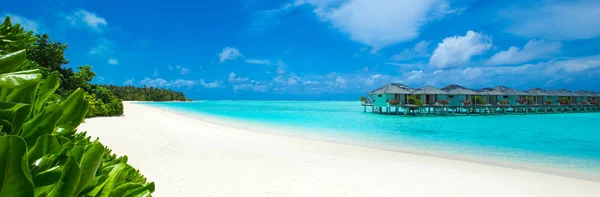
pixel 428 90
pixel 586 93
pixel 490 91
pixel 565 92
pixel 552 93
pixel 459 90
pixel 510 91
pixel 393 88
pixel 539 92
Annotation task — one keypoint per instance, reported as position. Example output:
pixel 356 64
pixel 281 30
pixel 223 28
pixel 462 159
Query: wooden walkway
pixel 440 110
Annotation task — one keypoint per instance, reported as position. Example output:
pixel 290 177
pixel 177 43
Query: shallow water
pixel 566 143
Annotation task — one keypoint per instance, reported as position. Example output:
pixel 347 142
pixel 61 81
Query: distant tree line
pixel 132 93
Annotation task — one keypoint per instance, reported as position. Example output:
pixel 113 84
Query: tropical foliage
pixel 413 99
pixel 132 93
pixel 394 102
pixel 548 102
pixel 529 99
pixel 479 100
pixel 49 55
pixel 504 102
pixel 40 152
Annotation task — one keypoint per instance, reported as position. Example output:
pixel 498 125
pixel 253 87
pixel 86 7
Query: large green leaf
pixel 15 179
pixel 20 79
pixel 46 144
pixel 112 172
pixel 69 179
pixel 133 189
pixel 23 95
pixel 89 164
pixel 46 180
pixel 46 89
pixel 15 113
pixel 74 108
pixel 10 61
pixel 41 125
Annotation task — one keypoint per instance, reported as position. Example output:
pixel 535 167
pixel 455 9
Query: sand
pixel 187 156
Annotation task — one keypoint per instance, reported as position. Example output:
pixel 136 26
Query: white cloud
pixel 103 47
pixel 214 84
pixel 233 79
pixel 155 74
pixel 27 24
pixel 184 71
pixel 534 49
pixel 160 82
pixel 585 70
pixel 458 50
pixel 178 68
pixel 112 61
pixel 372 79
pixel 555 19
pixel 379 23
pixel 256 61
pixel 229 53
pixel 419 50
pixel 281 66
pixel 93 21
pixel 129 82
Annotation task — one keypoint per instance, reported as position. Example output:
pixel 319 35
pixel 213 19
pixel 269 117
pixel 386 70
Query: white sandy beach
pixel 190 157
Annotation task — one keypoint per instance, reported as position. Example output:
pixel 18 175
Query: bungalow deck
pixel 442 110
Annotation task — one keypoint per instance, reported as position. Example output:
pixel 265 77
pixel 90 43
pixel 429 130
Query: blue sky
pixel 324 49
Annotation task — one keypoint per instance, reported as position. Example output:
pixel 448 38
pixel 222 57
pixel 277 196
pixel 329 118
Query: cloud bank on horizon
pixel 251 48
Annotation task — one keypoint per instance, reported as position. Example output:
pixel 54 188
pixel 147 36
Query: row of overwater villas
pixel 456 95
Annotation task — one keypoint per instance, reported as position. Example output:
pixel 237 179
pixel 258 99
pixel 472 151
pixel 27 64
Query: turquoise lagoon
pixel 564 144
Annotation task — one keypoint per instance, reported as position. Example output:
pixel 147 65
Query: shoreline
pixel 248 126
pixel 182 154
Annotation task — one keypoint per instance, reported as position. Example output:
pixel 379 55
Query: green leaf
pixel 142 192
pixel 74 108
pixel 23 95
pixel 46 144
pixel 113 173
pixel 69 179
pixel 46 89
pixel 133 189
pixel 14 171
pixel 89 164
pixel 12 60
pixel 15 113
pixel 41 125
pixel 21 79
pixel 46 180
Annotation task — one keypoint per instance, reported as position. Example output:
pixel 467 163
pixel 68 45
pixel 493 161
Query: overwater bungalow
pixel 430 95
pixel 491 96
pixel 541 96
pixel 459 95
pixel 513 96
pixel 393 98
pixel 394 92
pixel 568 95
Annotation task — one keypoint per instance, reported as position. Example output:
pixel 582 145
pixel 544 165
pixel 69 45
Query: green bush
pixel 479 100
pixel 103 102
pixel 40 152
pixel 413 99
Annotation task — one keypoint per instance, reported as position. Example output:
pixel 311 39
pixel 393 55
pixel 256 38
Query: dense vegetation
pixel 132 93
pixel 40 152
pixel 49 55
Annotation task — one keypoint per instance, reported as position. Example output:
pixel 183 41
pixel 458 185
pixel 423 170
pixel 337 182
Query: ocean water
pixel 565 144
